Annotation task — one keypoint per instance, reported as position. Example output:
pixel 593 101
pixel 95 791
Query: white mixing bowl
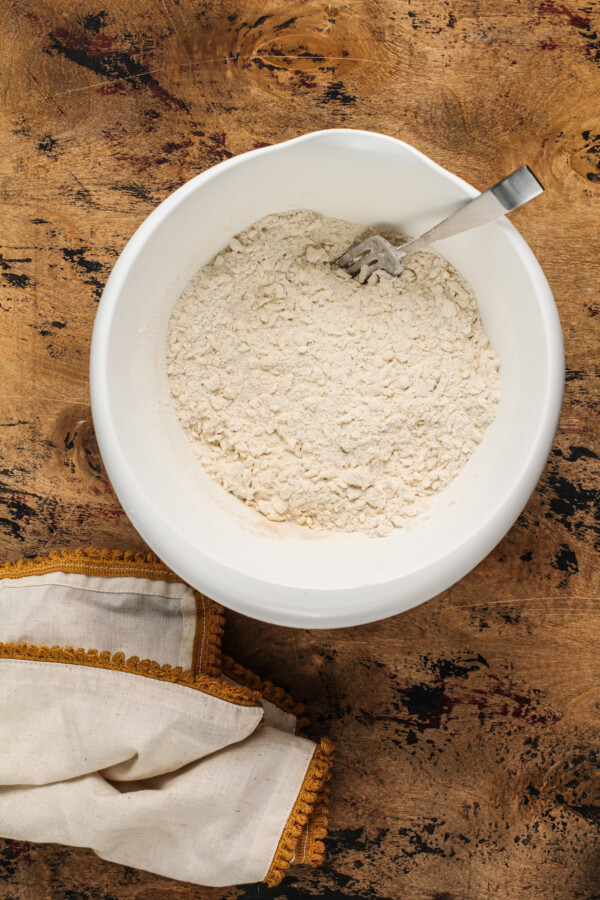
pixel 279 572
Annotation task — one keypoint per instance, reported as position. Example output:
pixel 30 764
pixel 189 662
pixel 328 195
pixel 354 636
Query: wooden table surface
pixel 467 730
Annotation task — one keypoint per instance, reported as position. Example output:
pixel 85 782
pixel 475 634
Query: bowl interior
pixel 279 571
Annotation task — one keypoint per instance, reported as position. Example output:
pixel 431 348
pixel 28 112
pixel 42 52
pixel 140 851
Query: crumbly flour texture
pixel 320 400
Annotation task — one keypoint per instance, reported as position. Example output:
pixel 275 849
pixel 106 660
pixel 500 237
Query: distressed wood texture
pixel 468 730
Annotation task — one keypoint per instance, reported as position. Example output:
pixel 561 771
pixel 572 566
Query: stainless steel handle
pixel 510 193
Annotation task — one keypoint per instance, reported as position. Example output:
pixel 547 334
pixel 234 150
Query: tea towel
pixel 124 729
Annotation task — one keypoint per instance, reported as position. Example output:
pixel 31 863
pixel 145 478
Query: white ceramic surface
pixel 282 573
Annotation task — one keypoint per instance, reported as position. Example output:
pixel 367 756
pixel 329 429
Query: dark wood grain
pixel 468 730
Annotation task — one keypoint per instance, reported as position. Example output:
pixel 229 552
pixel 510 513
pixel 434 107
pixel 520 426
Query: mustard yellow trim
pixel 210 625
pixel 275 695
pixel 308 817
pixel 147 668
pixel 93 561
pixel 309 847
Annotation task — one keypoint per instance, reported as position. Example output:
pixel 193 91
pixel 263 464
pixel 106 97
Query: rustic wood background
pixel 468 730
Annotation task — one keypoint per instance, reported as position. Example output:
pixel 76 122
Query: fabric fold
pixel 61 720
pixel 209 823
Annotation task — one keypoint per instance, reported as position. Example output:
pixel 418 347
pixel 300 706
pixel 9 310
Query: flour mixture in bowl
pixel 319 400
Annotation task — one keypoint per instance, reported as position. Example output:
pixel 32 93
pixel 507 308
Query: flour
pixel 319 400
